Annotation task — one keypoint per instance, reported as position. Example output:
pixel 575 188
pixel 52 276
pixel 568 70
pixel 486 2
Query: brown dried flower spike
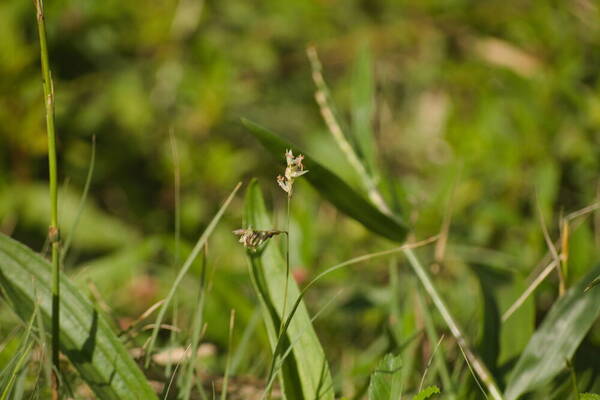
pixel 293 170
pixel 252 239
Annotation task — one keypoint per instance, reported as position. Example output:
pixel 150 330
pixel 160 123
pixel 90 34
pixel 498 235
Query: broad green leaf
pixel 427 393
pixel 555 341
pixel 363 106
pixel 85 337
pixel 335 190
pixel 386 380
pixel 305 371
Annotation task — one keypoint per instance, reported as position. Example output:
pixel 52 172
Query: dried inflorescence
pixel 252 239
pixel 293 170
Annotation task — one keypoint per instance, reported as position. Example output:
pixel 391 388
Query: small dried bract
pixel 252 239
pixel 294 169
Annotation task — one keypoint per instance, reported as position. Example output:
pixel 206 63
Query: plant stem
pixel 53 232
pixel 479 367
pixel 287 266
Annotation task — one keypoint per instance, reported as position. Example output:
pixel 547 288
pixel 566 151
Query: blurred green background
pixel 483 109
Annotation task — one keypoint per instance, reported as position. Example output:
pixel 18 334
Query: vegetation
pixel 426 226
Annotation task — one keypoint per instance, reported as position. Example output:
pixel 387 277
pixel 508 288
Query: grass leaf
pixel 363 105
pixel 305 372
pixel 386 380
pixel 85 337
pixel 427 393
pixel 556 340
pixel 335 190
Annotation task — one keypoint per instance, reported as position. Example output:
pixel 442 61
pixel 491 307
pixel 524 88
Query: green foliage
pixel 85 336
pixel 557 338
pixel 332 188
pixel 427 393
pixel 305 371
pixel 589 396
pixel 462 112
pixel 386 380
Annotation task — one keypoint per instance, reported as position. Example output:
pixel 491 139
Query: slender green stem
pixel 53 232
pixel 287 265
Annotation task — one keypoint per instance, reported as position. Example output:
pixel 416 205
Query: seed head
pixel 252 239
pixel 293 170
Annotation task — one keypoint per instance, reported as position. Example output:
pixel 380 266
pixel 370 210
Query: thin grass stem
pixel 86 189
pixel 53 231
pixel 287 264
pixel 184 269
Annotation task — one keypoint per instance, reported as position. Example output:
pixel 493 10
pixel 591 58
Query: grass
pixel 403 106
pixel 53 229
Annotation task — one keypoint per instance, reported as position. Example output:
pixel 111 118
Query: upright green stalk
pixel 53 232
pixel 287 264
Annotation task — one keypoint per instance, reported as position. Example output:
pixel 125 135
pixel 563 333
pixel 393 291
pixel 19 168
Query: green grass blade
pixel 305 372
pixel 86 189
pixel 21 355
pixel 334 189
pixel 386 380
pixel 557 338
pixel 228 358
pixel 196 327
pixel 85 337
pixel 363 106
pixel 184 269
pixel 440 362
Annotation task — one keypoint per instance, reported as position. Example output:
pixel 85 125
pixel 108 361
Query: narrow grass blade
pixel 363 105
pixel 439 355
pixel 196 327
pixel 85 337
pixel 386 380
pixel 184 269
pixel 334 189
pixel 86 189
pixel 556 339
pixel 305 373
pixel 229 351
pixel 19 359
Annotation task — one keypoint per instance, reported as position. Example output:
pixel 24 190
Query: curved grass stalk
pixel 184 269
pixel 336 267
